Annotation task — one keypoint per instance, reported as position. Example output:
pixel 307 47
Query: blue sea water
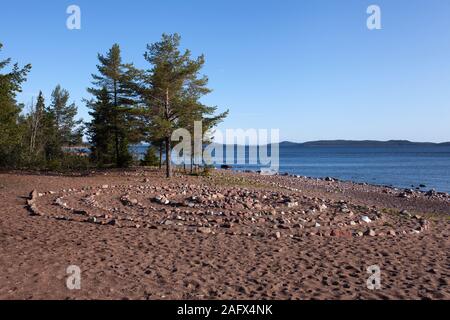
pixel 397 166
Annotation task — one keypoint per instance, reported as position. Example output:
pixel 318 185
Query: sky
pixel 310 68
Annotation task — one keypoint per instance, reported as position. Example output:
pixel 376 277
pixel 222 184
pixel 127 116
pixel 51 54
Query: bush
pixel 150 158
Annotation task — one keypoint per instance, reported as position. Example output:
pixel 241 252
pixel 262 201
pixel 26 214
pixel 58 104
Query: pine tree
pixel 171 90
pixel 10 128
pixel 150 158
pixel 36 120
pixel 67 127
pixel 99 129
pixel 116 77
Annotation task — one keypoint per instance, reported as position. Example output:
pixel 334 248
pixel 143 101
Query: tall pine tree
pixel 171 90
pixel 10 128
pixel 68 128
pixel 115 78
pixel 99 129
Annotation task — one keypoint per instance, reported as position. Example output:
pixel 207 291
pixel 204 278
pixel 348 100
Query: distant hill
pixel 361 143
pixel 358 143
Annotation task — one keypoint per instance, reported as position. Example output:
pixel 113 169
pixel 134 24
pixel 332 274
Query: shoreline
pixel 414 189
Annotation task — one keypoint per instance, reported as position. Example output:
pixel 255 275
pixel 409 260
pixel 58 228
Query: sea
pixel 423 167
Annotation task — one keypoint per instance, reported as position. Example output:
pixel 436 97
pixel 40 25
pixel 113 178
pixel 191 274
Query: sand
pixel 137 235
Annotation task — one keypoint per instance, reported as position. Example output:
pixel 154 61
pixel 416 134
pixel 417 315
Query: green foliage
pixel 11 128
pixel 127 106
pixel 113 99
pixel 63 116
pixel 171 91
pixel 150 159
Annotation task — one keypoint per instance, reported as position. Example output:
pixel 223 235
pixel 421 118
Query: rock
pixel 366 219
pixel 425 224
pixel 392 233
pixel 161 200
pixel 34 210
pixel 105 186
pixel 345 210
pixel 277 235
pixel 370 233
pixel 317 225
pixel 204 230
pixel 257 206
pixel 226 225
pixel 92 219
pixel 129 202
pixel 405 213
pixel 292 204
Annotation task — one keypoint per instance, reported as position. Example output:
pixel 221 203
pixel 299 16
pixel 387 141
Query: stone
pixel 105 186
pixel 161 200
pixel 366 219
pixel 370 233
pixel 292 204
pixel 277 235
pixel 92 219
pixel 341 233
pixel 204 230
pixel 405 213
pixel 226 225
pixel 392 233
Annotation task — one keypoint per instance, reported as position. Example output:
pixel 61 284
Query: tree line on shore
pixel 127 106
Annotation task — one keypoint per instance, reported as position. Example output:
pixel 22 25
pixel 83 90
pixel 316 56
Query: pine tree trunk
pixel 117 148
pixel 168 160
pixel 116 134
pixel 160 154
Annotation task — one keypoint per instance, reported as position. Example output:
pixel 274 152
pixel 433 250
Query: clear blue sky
pixel 310 68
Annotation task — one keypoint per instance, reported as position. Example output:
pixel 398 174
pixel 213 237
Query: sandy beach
pixel 137 235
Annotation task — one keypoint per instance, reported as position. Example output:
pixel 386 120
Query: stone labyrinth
pixel 212 210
